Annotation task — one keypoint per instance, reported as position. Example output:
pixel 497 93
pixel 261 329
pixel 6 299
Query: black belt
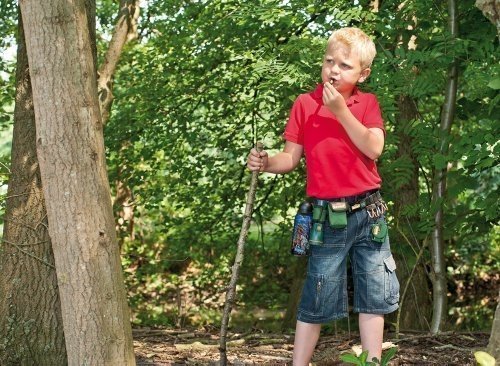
pixel 356 202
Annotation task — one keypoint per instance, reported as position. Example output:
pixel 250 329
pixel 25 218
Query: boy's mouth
pixel 334 83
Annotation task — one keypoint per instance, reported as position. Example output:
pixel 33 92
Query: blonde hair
pixel 356 40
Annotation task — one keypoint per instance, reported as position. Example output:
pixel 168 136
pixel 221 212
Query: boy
pixel 340 131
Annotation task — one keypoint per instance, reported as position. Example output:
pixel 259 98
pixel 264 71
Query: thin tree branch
pixel 125 30
pixel 28 253
pixel 231 292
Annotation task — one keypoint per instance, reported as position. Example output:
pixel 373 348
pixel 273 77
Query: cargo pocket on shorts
pixel 391 281
pixel 311 302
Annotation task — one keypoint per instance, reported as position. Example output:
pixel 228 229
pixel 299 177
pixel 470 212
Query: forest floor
pixel 194 347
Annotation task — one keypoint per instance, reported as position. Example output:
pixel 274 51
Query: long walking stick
pixel 231 291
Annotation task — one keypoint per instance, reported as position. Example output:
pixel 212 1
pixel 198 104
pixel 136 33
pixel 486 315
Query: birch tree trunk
pixel 437 245
pixel 31 330
pixel 70 150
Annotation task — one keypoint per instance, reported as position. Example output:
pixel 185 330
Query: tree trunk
pixel 299 269
pixel 124 211
pixel 31 330
pixel 72 164
pixel 416 305
pixel 437 245
pixel 494 343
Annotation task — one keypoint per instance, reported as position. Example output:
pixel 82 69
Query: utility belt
pixel 371 200
pixel 337 210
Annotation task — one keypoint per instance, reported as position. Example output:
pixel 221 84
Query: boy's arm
pixel 370 141
pixel 283 162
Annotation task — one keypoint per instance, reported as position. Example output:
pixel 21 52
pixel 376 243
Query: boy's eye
pixel 345 66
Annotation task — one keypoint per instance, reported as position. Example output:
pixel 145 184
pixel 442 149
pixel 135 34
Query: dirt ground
pixel 199 347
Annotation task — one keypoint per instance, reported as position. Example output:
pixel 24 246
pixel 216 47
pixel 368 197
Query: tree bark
pixel 70 150
pixel 416 306
pixel 31 330
pixel 494 343
pixel 298 273
pixel 124 211
pixel 437 244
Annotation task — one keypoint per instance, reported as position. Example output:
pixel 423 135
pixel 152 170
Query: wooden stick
pixel 231 291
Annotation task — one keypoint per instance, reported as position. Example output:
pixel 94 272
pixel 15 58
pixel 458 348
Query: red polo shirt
pixel 335 166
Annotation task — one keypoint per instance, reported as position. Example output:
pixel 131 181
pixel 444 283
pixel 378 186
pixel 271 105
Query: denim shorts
pixel 376 287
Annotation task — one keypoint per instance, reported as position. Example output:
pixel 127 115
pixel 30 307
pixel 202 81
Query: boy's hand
pixel 332 98
pixel 257 161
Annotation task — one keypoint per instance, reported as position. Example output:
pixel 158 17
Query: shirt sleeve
pixel 373 115
pixel 294 130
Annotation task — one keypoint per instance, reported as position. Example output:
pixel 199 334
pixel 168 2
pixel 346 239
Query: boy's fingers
pixel 254 152
pixel 255 160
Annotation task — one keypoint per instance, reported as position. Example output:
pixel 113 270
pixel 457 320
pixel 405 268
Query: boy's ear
pixel 364 74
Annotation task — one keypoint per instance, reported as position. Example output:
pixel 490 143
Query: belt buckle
pixel 355 206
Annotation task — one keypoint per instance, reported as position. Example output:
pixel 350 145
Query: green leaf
pixel 494 84
pixel 350 358
pixel 388 355
pixel 440 161
pixel 363 356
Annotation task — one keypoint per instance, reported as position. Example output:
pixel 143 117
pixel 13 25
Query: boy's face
pixel 342 68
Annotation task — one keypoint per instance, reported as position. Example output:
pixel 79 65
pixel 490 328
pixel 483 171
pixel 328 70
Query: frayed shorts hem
pixel 388 310
pixel 317 320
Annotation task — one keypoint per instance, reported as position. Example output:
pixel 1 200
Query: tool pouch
pixel 316 236
pixel 379 231
pixel 319 217
pixel 337 215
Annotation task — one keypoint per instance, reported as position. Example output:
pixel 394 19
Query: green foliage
pixel 361 360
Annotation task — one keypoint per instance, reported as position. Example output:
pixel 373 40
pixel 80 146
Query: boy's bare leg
pixel 371 330
pixel 306 336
